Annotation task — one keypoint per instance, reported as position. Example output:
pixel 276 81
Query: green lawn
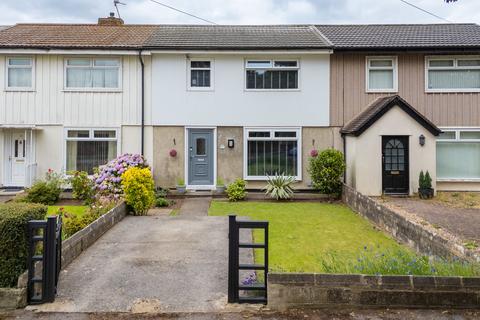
pixel 75 210
pixel 303 233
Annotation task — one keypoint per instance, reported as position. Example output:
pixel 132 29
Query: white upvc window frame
pixel 457 138
pixel 92 59
pixel 91 131
pixel 454 67
pixel 189 74
pixel 272 130
pixel 8 66
pixel 394 69
pixel 272 67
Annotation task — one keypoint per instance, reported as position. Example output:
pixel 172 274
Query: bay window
pixel 381 74
pixel 20 73
pixel 452 74
pixel 92 73
pixel 271 74
pixel 272 151
pixel 458 154
pixel 90 148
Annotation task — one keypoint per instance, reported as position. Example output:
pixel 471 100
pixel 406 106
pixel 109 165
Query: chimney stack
pixel 110 21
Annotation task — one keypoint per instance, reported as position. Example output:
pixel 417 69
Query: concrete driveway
pixel 150 264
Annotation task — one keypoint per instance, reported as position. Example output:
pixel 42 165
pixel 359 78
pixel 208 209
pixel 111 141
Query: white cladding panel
pixel 49 104
pixel 229 104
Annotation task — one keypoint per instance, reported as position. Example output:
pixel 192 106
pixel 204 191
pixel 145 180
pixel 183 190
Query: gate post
pixel 49 268
pixel 232 259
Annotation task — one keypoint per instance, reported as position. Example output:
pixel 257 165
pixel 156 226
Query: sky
pixel 240 11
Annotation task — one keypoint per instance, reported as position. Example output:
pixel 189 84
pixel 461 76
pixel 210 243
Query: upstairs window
pixel 453 74
pixel 381 74
pixel 272 74
pixel 200 74
pixel 90 148
pixel 87 73
pixel 458 154
pixel 19 73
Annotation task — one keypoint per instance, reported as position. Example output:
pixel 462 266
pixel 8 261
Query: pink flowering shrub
pixel 108 178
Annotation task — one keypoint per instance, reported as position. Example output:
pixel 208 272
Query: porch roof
pixel 378 108
pixel 20 126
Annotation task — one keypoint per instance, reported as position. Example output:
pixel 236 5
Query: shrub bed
pixel 13 239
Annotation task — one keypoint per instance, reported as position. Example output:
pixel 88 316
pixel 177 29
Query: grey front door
pixel 200 158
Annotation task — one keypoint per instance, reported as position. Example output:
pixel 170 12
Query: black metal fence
pixel 44 259
pixel 234 265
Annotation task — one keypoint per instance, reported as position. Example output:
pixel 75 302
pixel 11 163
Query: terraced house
pixel 222 102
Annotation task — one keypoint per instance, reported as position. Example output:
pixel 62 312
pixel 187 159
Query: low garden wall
pixel 80 241
pixel 12 298
pixel 405 230
pixel 290 290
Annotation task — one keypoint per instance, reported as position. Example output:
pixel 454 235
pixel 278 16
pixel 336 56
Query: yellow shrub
pixel 138 187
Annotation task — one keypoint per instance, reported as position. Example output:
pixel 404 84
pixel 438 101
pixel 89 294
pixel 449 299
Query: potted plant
pixel 425 190
pixel 181 188
pixel 220 188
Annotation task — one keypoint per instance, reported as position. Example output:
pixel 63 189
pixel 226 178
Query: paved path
pixel 195 206
pixel 462 222
pixel 150 264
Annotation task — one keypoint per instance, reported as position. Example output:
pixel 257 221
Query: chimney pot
pixel 110 21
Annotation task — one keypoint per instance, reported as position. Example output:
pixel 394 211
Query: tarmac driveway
pixel 150 264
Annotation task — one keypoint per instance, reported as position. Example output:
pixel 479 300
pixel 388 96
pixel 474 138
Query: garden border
pixel 405 230
pixel 310 290
pixel 13 298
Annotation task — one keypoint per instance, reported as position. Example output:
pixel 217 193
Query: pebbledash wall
pixel 229 107
pixel 167 169
pixel 50 108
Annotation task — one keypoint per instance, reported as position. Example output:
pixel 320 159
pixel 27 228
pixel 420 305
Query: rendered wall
pixel 365 169
pixel 229 104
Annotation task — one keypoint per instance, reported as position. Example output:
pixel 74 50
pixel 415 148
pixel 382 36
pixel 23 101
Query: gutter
pixel 142 134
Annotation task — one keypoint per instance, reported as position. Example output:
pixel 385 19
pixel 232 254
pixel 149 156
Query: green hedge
pixel 13 239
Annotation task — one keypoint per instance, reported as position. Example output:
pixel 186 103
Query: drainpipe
pixel 142 134
pixel 344 158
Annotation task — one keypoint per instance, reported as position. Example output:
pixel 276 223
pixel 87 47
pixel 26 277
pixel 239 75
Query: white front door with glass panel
pixel 16 160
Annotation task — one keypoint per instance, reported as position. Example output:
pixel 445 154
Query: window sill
pixel 20 90
pixel 382 91
pixel 459 180
pixel 272 90
pixel 193 89
pixel 94 90
pixel 265 178
pixel 452 91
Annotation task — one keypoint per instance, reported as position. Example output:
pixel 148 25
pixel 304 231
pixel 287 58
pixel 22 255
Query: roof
pixel 127 36
pixel 398 36
pixel 241 37
pixel 378 108
pixel 237 37
pixel 76 36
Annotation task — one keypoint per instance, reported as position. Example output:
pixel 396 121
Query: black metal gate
pixel 44 259
pixel 234 265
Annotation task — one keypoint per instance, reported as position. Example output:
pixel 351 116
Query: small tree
pixel 428 180
pixel 326 170
pixel 421 180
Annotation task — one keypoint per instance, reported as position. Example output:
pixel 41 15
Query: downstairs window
pixel 458 155
pixel 272 151
pixel 90 148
